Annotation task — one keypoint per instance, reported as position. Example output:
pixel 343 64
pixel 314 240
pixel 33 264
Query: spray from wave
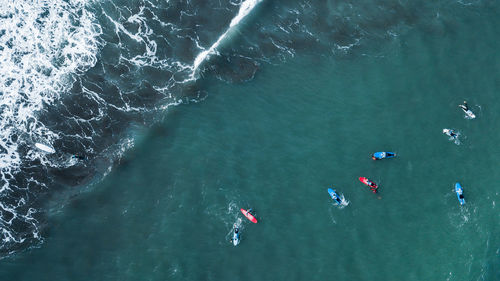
pixel 245 9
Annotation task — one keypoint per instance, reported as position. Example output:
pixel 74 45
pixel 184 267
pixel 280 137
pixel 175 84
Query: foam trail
pixel 245 9
pixel 344 202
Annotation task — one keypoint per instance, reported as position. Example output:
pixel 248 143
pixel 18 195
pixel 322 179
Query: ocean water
pixel 188 111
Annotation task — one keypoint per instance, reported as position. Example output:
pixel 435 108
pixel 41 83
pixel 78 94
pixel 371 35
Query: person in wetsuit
pixel 236 236
pixel 450 133
pixel 464 106
pixel 78 156
pixel 373 186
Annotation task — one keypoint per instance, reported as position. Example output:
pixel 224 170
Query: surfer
pixel 464 106
pixel 466 110
pixel 236 236
pixel 373 186
pixel 383 155
pixel 450 133
pixel 78 156
pixel 248 215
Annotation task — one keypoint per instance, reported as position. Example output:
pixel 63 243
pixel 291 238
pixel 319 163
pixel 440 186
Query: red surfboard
pixel 248 215
pixel 371 184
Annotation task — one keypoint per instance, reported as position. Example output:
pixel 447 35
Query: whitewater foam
pixel 43 44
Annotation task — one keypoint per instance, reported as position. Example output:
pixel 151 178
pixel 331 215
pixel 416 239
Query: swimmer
pixel 450 133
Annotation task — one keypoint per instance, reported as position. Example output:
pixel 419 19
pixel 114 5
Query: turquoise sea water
pixel 275 144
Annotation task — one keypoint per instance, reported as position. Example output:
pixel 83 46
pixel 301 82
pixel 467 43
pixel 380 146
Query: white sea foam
pixel 42 45
pixel 142 36
pixel 245 8
pixel 343 202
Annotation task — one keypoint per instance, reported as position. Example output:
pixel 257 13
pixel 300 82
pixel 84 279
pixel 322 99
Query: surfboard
pixel 470 114
pixel 236 238
pixel 467 112
pixel 45 148
pixel 248 215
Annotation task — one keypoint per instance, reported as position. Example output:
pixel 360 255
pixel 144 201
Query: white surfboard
pixel 467 111
pixel 45 148
pixel 470 114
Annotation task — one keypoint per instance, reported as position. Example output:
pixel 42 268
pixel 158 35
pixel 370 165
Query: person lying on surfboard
pixel 248 215
pixel 464 106
pixel 236 237
pixel 466 110
pixel 373 186
pixel 383 155
pixel 450 133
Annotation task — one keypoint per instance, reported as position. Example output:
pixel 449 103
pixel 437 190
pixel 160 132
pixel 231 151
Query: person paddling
pixel 464 106
pixel 373 186
pixel 466 110
pixel 450 133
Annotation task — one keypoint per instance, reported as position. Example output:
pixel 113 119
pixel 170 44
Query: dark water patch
pixel 234 69
pixel 73 176
pixel 110 54
pixel 155 76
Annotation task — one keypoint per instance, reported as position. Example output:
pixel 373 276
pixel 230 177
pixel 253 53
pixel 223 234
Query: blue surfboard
pixel 335 196
pixel 460 193
pixel 383 155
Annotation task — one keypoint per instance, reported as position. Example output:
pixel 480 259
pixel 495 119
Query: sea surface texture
pixel 182 112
